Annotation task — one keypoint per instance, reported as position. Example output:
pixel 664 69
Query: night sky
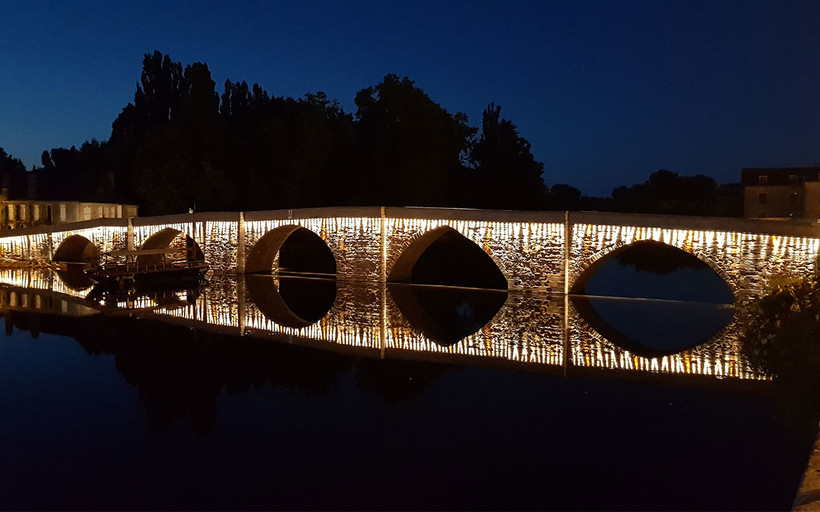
pixel 606 92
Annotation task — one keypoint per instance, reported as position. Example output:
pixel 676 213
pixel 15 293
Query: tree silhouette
pixel 564 197
pixel 410 147
pixel 9 164
pixel 667 192
pixel 179 143
pixel 507 175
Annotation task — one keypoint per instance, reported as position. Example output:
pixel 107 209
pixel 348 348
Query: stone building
pixel 785 192
pixel 17 214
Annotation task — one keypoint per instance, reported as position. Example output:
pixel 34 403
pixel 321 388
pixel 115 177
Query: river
pixel 287 392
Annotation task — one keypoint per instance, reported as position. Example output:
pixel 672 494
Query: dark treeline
pixel 180 145
pixel 669 193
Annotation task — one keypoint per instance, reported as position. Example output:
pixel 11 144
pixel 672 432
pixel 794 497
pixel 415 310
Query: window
pixel 62 212
pixel 763 179
pixel 761 198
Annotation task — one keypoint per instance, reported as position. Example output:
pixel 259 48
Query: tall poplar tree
pixel 506 173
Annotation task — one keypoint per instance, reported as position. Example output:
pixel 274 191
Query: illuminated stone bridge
pixel 538 252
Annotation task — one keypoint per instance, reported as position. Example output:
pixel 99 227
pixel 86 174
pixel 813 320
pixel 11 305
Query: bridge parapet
pixel 728 224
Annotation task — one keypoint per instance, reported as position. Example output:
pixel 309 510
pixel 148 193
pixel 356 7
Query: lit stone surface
pixel 719 357
pixel 530 255
pixel 528 329
pixel 528 247
pixel 354 241
pixel 744 260
pixel 105 238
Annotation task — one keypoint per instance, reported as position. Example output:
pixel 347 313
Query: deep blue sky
pixel 606 92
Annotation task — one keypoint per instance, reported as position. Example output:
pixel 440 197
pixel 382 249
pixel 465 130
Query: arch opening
pixel 291 250
pixel 77 249
pixel 445 257
pixel 446 315
pixel 184 248
pixel 651 269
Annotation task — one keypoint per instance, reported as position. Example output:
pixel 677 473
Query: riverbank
pixel 808 497
pixel 9 263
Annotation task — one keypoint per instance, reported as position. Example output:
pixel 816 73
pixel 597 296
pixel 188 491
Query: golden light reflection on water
pixel 528 330
pixel 720 357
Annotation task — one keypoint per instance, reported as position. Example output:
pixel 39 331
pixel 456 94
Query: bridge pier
pixel 129 236
pixel 240 244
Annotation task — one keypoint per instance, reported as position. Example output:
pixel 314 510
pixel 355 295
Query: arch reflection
pixel 365 319
pixel 292 301
pixel 446 315
pixel 74 277
pixel 653 328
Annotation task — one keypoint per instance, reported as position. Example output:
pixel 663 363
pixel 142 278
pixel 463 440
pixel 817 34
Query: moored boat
pixel 146 269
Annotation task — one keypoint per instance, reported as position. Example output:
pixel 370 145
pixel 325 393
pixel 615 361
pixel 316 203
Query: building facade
pixel 17 214
pixel 785 192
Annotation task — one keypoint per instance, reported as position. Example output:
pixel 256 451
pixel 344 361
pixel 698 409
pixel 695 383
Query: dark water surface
pixel 130 409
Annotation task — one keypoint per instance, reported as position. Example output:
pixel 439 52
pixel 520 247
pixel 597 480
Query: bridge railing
pixel 734 224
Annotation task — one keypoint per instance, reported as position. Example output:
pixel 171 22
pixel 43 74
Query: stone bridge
pixel 538 252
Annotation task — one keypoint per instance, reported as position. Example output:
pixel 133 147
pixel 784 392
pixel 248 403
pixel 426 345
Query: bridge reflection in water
pixel 549 333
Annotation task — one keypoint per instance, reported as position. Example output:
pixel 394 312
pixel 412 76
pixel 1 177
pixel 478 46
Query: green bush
pixel 781 331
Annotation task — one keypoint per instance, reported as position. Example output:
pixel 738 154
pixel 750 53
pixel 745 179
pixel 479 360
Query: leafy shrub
pixel 781 331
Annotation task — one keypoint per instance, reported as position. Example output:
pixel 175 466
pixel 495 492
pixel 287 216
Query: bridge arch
pixel 77 249
pixel 590 265
pixel 165 238
pixel 402 268
pixel 313 252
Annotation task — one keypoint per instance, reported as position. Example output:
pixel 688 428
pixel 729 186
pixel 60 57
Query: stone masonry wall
pixel 744 260
pixel 528 247
pixel 530 255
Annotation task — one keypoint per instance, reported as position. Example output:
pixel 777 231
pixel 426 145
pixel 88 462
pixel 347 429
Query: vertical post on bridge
pixel 567 252
pixel 240 269
pixel 129 235
pixel 382 247
pixel 50 249
pixel 240 244
pixel 383 285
